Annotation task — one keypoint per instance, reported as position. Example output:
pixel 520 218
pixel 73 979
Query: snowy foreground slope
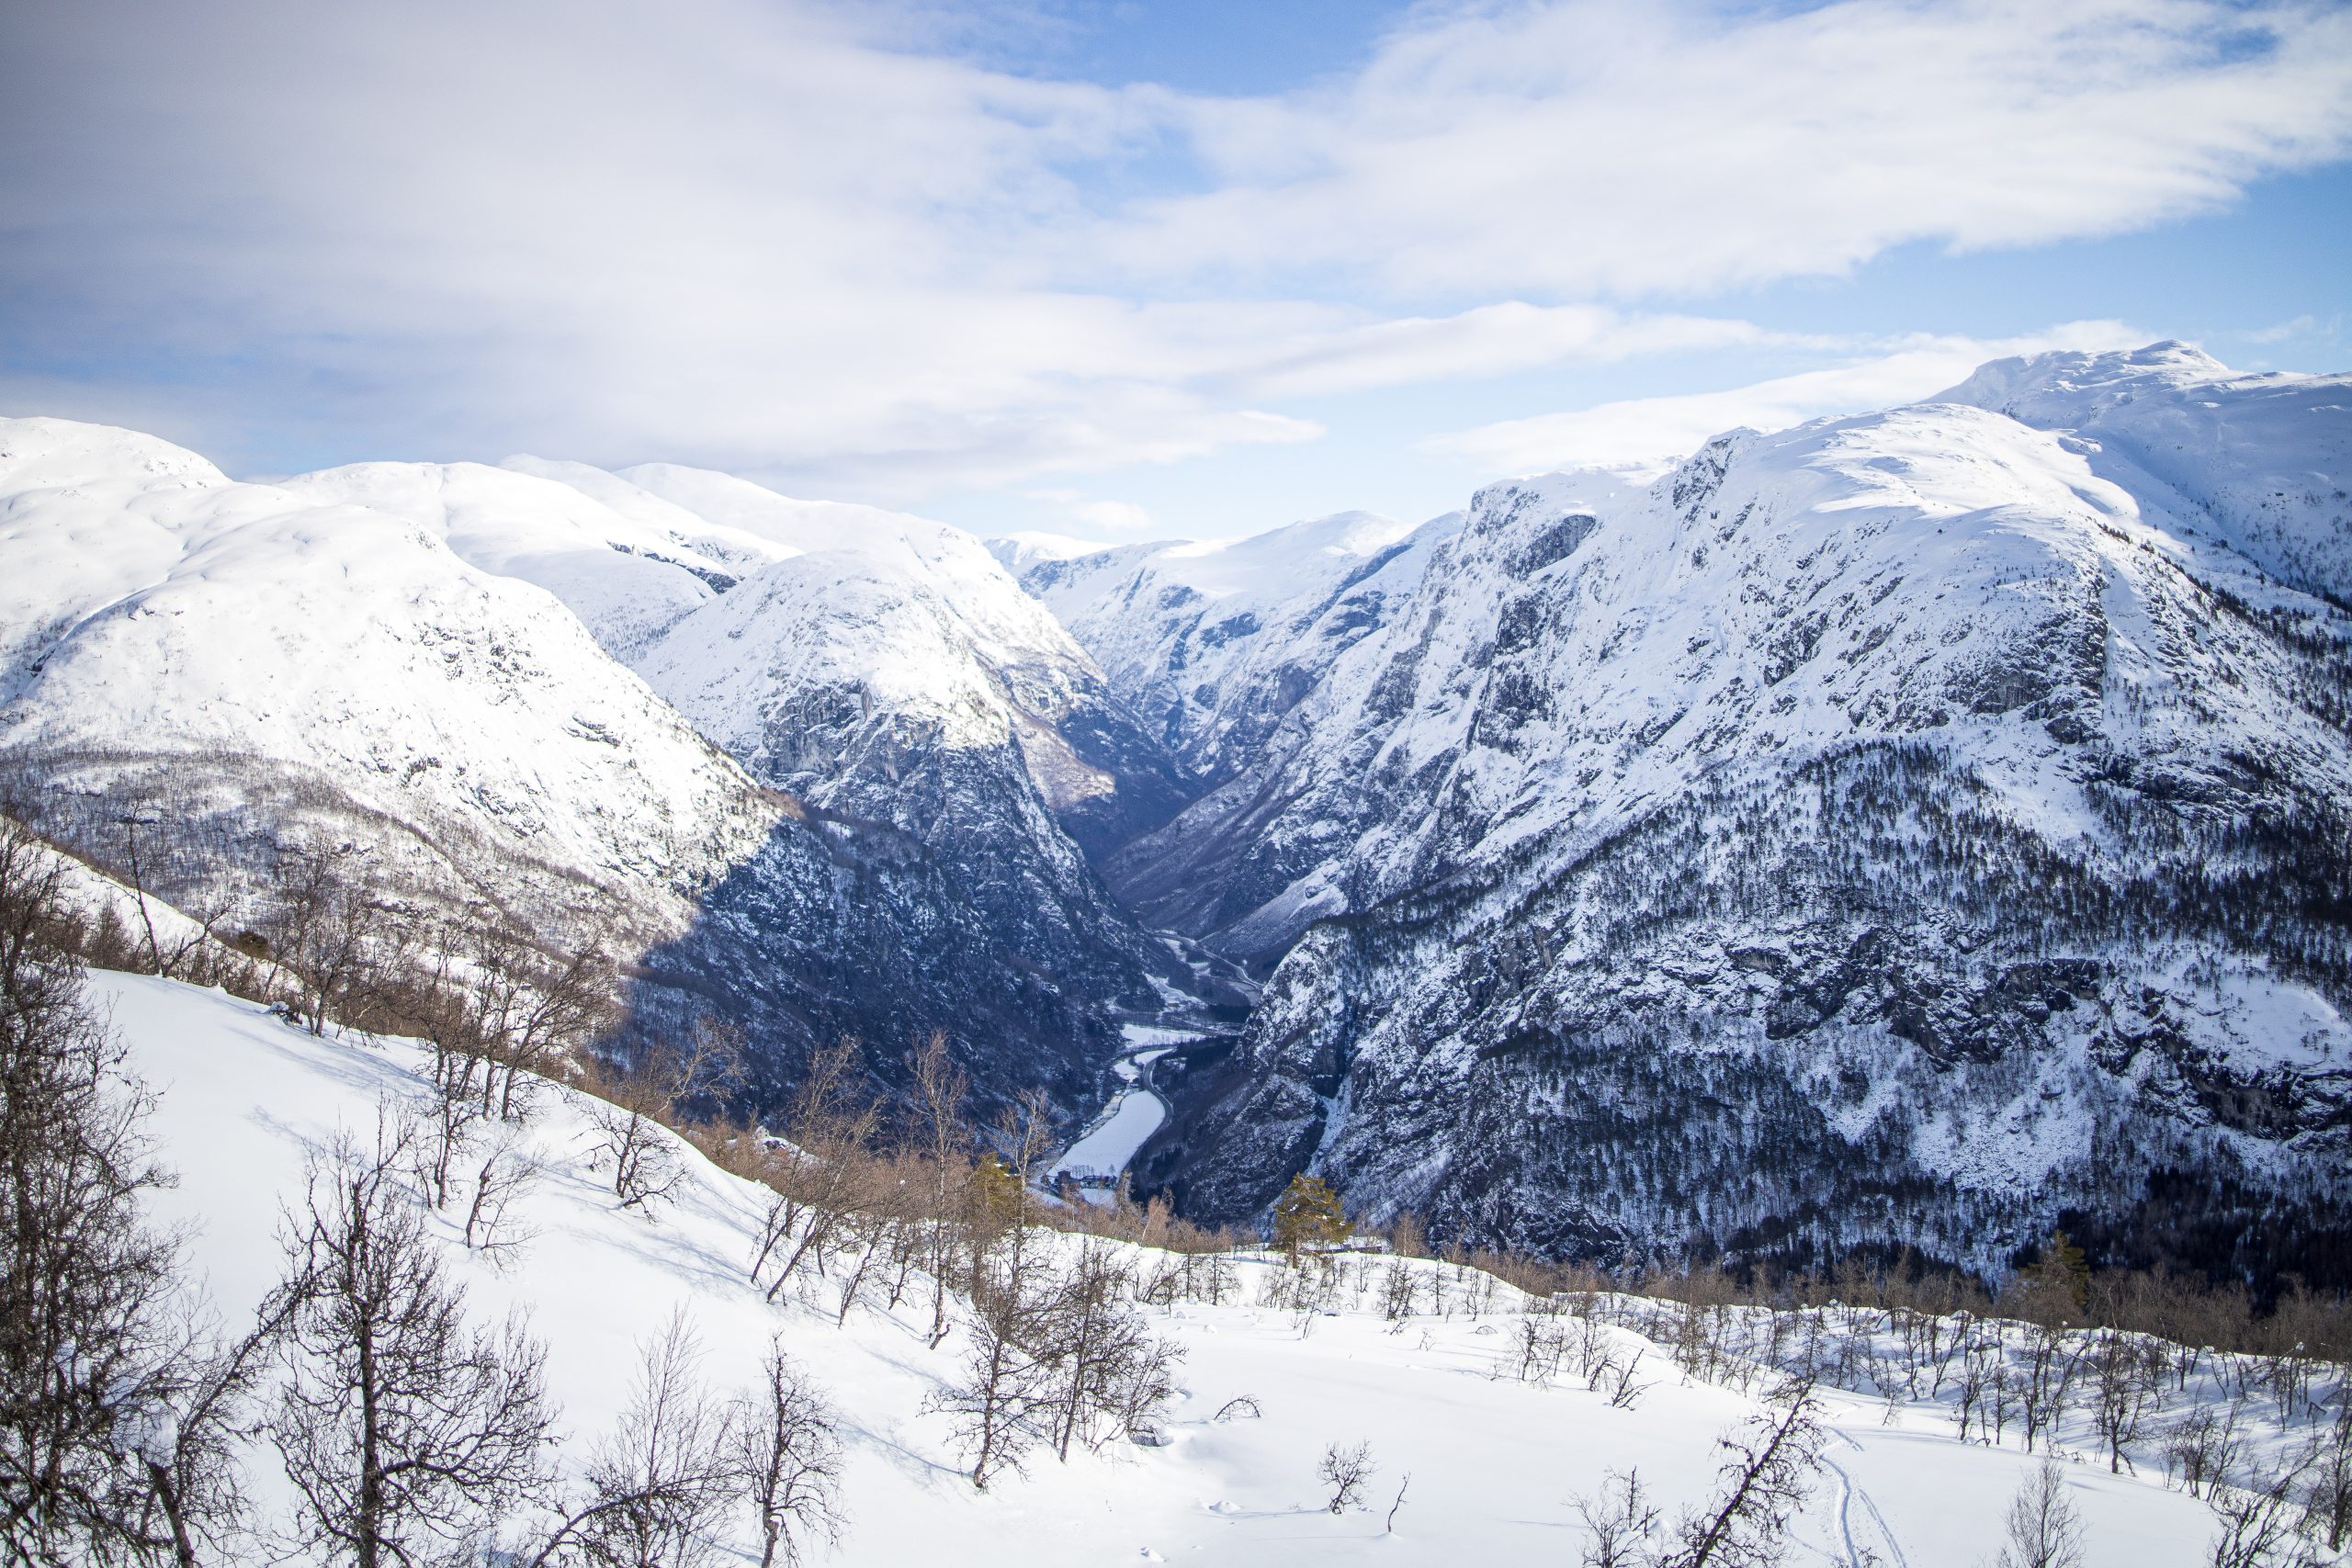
pixel 1904 828
pixel 1494 1462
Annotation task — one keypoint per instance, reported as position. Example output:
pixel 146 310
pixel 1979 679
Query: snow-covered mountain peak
pixel 1280 563
pixel 887 637
pixel 1212 642
pixel 1587 490
pixel 948 565
pixel 42 453
pixel 168 634
pixel 2261 465
pixel 798 525
pixel 642 506
pixel 2072 387
pixel 629 577
pixel 1017 552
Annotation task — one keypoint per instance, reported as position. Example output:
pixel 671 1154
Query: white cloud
pixel 1610 148
pixel 1645 433
pixel 768 236
pixel 1489 340
pixel 1118 516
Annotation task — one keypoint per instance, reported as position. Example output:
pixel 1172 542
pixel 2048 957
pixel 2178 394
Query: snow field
pixel 1494 1462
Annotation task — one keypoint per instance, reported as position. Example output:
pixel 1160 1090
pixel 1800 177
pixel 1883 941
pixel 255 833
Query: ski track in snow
pixel 1849 1494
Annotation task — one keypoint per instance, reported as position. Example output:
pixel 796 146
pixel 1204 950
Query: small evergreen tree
pixel 1308 1215
pixel 998 1188
pixel 2062 1272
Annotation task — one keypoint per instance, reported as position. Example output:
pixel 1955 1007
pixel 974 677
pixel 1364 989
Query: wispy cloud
pixel 1596 148
pixel 1096 514
pixel 1485 341
pixel 2285 332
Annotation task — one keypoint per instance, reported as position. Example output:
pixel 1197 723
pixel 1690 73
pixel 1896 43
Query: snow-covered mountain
pixel 255 663
pixel 888 645
pixel 1898 830
pixel 1905 830
pixel 2261 463
pixel 882 669
pixel 399 657
pixel 1211 643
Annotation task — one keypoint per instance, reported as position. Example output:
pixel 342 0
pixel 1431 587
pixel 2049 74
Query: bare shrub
pixel 2258 1527
pixel 633 1147
pixel 2042 1529
pixel 787 1460
pixel 406 1433
pixel 1345 1472
pixel 1112 1372
pixel 507 1172
pixel 1001 1402
pixel 661 1483
pixel 1619 1523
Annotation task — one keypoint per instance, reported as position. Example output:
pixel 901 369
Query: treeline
pixel 498 1009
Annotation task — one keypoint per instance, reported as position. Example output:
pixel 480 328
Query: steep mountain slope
pixel 1212 643
pixel 345 661
pixel 857 685
pixel 1890 830
pixel 1239 867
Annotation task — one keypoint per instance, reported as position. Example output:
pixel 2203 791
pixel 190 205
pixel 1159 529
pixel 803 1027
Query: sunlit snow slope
pixel 249 663
pixel 242 1099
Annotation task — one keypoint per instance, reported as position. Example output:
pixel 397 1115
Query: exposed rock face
pixel 1901 830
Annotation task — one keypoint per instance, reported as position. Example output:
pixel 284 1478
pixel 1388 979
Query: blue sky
pixel 1136 269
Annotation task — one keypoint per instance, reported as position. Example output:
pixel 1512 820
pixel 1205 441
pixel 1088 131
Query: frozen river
pixel 1106 1148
